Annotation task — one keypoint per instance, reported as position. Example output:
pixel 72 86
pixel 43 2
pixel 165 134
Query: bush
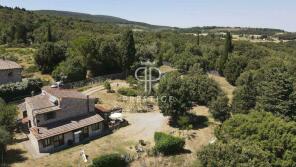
pixel 233 154
pixel 31 69
pixel 131 81
pixel 184 122
pixel 49 56
pixel 5 138
pixel 254 139
pixel 203 90
pixel 70 70
pixel 107 86
pixel 234 67
pixel 2 101
pixel 168 144
pixel 13 91
pixel 109 160
pixel 127 92
pixel 220 109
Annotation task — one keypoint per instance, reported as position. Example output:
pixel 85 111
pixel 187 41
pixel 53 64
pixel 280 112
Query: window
pixel 95 126
pixel 85 130
pixel 58 140
pixel 50 115
pixel 25 114
pixel 10 73
pixel 84 133
pixel 46 142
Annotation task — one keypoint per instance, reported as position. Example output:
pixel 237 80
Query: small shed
pixel 105 110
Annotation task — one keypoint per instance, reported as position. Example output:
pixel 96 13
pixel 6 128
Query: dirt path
pixel 226 87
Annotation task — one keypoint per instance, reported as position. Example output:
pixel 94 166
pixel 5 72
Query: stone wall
pixel 10 76
pixel 70 108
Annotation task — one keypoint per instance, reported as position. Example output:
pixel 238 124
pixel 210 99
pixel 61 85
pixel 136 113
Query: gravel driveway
pixel 142 125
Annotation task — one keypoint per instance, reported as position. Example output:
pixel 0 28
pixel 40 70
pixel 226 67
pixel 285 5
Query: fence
pixel 94 80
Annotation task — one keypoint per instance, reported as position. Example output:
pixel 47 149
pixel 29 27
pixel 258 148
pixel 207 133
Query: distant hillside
pixel 99 18
pixel 233 30
pixel 141 25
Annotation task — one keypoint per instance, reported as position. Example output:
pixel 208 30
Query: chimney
pixel 38 130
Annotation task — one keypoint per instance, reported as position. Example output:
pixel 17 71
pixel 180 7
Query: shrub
pixel 234 67
pixel 31 69
pixel 10 92
pixel 233 153
pixel 107 86
pixel 2 101
pixel 203 90
pixel 131 81
pixel 5 138
pixel 168 144
pixel 127 92
pixel 70 70
pixel 109 160
pixel 184 122
pixel 220 109
pixel 49 56
pixel 254 139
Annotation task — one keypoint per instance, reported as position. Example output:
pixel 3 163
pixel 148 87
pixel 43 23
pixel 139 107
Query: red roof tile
pixel 65 126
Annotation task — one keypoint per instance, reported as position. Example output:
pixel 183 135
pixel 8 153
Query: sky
pixel 180 13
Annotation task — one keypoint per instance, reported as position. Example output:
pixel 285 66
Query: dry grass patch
pixel 226 87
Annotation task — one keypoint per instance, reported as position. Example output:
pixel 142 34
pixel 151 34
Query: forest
pixel 257 126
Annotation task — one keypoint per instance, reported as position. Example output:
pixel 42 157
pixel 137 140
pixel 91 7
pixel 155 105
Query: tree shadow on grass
pixel 20 140
pixel 14 156
pixel 180 152
pixel 197 121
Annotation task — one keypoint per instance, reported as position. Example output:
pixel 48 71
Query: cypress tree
pixel 228 48
pixel 49 35
pixel 128 51
pixel 198 40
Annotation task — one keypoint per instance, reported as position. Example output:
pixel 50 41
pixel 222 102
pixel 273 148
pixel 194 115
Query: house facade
pixel 9 72
pixel 59 118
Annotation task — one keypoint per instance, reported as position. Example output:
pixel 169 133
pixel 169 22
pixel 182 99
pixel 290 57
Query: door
pixel 77 136
pixel 84 133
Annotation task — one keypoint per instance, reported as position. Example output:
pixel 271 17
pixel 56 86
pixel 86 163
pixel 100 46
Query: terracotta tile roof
pixel 7 64
pixel 41 104
pixel 62 93
pixel 65 126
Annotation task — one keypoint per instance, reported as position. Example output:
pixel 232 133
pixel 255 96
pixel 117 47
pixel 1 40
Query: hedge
pixel 168 144
pixel 109 160
pixel 14 91
pixel 127 92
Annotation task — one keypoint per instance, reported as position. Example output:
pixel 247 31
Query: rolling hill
pixel 100 19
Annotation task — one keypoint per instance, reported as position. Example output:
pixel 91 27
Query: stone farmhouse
pixel 59 118
pixel 9 72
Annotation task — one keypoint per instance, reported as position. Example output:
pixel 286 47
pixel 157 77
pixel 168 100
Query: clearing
pixel 226 87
